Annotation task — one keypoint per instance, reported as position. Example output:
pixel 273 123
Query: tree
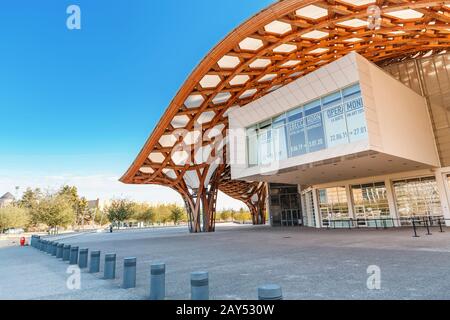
pixel 30 198
pixel 82 211
pixel 144 213
pixel 242 215
pixel 79 205
pixel 225 215
pixel 177 214
pixel 55 211
pixel 13 217
pixel 120 210
pixel 163 213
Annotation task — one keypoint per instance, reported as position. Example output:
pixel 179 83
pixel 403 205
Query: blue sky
pixel 76 106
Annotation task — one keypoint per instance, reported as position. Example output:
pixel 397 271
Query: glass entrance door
pixel 284 207
pixel 289 217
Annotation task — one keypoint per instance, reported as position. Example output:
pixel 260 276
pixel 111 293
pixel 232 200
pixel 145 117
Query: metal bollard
pixel 270 292
pixel 440 226
pixel 73 260
pixel 94 265
pixel 59 250
pixel 50 247
pixel 110 266
pixel 54 248
pixel 66 252
pixel 83 260
pixel 129 273
pixel 199 286
pixel 414 229
pixel 40 244
pixel 428 228
pixel 32 241
pixel 158 281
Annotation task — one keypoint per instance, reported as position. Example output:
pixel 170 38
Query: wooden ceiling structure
pixel 287 40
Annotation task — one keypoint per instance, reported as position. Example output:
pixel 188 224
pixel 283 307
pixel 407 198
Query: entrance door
pixel 289 217
pixel 284 207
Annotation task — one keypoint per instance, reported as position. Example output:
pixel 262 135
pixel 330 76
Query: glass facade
pixel 333 204
pixel 418 197
pixel 327 122
pixel 430 77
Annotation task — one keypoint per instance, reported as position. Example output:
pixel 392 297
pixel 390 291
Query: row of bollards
pixel 76 256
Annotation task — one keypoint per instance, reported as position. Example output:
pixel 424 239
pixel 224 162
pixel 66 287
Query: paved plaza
pixel 307 263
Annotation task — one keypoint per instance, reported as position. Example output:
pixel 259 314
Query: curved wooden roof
pixel 288 40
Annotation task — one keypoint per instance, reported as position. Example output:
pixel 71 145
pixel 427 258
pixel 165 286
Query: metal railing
pixel 415 223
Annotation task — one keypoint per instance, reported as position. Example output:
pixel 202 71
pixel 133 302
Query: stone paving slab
pixel 307 263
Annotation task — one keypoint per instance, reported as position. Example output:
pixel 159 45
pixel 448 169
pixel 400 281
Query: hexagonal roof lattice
pixel 287 40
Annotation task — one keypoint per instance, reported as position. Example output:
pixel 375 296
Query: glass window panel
pixel 333 206
pixel 351 92
pixel 356 119
pixel 370 201
pixel 314 126
pixel 280 138
pixel 252 146
pixel 285 203
pixel 335 120
pixel 309 211
pixel 265 145
pixel 332 100
pixel 275 200
pixel 296 133
pixel 418 197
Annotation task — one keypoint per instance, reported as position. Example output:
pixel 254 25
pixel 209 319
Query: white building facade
pixel 351 145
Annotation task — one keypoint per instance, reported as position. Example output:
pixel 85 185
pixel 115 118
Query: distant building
pixel 6 199
pixel 98 204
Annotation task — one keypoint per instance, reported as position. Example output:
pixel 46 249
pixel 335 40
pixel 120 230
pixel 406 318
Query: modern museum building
pixel 315 113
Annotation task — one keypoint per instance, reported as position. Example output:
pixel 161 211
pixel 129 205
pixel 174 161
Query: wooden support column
pixel 258 206
pixel 201 202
